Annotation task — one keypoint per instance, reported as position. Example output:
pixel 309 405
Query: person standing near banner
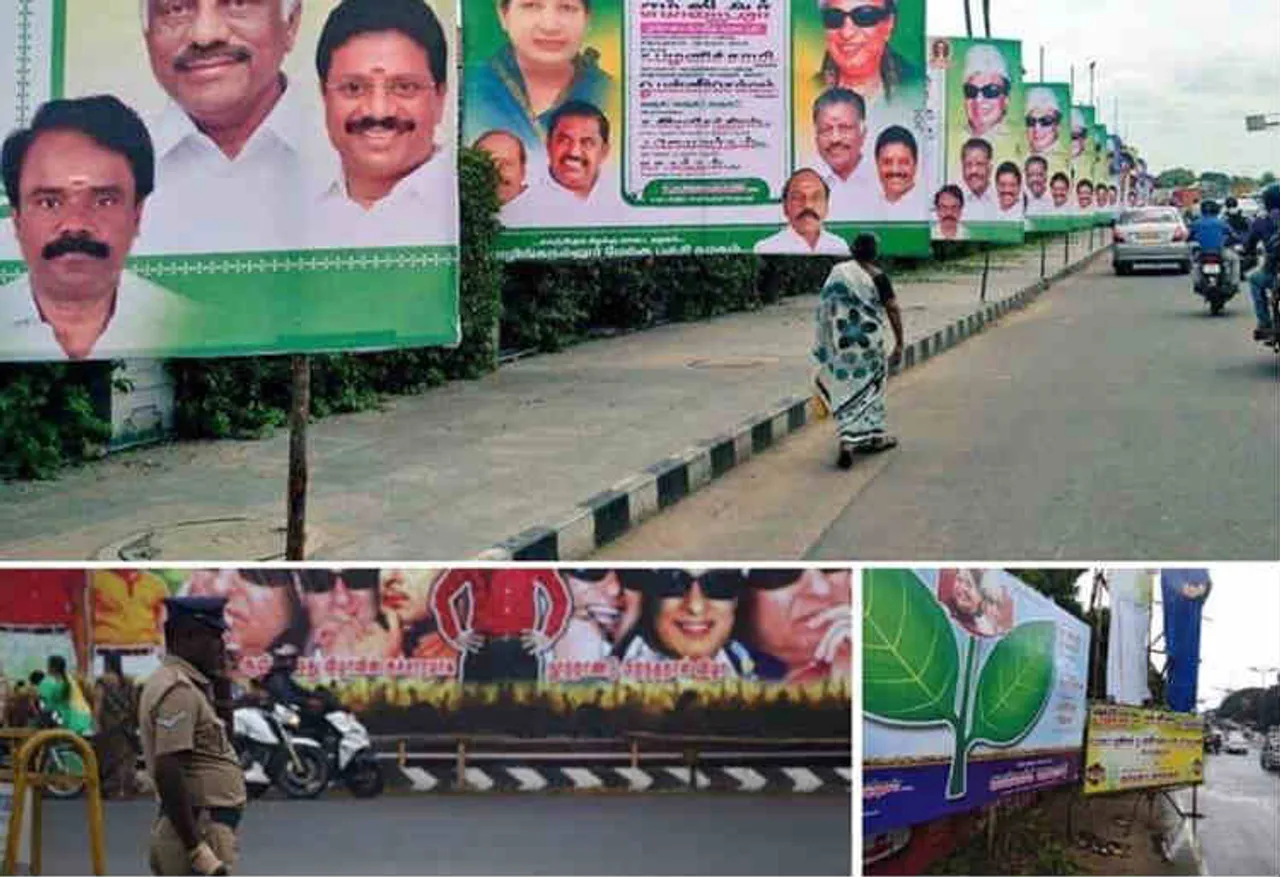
pixel 383 69
pixel 187 747
pixel 856 302
pixel 229 142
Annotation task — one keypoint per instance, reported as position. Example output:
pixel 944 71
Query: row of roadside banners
pixel 975 690
pixel 137 223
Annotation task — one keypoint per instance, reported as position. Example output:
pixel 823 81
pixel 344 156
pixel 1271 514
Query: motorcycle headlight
pixel 290 720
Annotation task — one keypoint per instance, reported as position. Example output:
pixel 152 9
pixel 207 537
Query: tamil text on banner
pixel 1047 169
pixel 1133 748
pixel 697 126
pixel 171 196
pixel 984 138
pixel 1183 592
pixel 486 649
pixel 973 689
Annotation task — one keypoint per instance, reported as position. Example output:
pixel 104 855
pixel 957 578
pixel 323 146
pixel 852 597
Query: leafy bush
pixel 50 416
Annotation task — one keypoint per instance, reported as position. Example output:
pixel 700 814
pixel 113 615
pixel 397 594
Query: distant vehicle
pixel 1270 757
pixel 1235 744
pixel 1250 207
pixel 1150 236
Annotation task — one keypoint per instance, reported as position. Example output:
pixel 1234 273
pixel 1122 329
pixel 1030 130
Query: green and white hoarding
pixel 1047 168
pixel 975 90
pixel 685 122
pixel 289 214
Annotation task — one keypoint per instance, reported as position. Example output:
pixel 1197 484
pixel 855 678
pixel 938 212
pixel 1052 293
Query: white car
pixel 1250 208
pixel 1235 744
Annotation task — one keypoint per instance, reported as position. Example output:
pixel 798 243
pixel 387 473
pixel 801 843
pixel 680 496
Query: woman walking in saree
pixel 853 368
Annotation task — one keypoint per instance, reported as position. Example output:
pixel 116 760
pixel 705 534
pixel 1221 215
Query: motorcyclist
pixel 1215 236
pixel 283 688
pixel 1265 231
pixel 1235 218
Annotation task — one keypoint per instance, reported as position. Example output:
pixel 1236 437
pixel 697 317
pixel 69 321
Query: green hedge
pixel 52 415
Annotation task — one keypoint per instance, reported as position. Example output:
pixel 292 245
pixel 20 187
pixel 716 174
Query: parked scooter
pixel 346 744
pixel 271 751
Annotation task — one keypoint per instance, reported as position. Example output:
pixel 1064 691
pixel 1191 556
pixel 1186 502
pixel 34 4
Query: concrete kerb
pixel 597 521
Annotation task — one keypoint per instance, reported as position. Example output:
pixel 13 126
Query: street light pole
pixel 1261 122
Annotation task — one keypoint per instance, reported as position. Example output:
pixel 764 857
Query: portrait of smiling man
pixel 1060 192
pixel 840 135
pixel 976 166
pixel 577 149
pixel 897 166
pixel 230 136
pixel 77 181
pixel 383 72
pixel 1044 121
pixel 1009 191
pixel 986 91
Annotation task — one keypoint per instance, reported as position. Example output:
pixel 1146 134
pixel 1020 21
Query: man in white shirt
pixel 901 198
pixel 1009 192
pixel 1038 201
pixel 948 209
pixel 975 169
pixel 76 181
pixel 1060 192
pixel 229 162
pixel 840 133
pixel 805 199
pixel 576 190
pixel 511 160
pixel 383 68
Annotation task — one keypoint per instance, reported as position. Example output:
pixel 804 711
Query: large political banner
pixel 1134 748
pixel 973 689
pixel 975 89
pixel 672 127
pixel 1100 162
pixel 410 649
pixel 42 613
pixel 1048 166
pixel 202 179
pixel 1092 193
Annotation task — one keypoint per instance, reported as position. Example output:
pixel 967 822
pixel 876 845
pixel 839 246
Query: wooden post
pixel 402 756
pixel 296 535
pixel 1044 251
pixel 1066 250
pixel 635 753
pixel 462 764
pixel 986 269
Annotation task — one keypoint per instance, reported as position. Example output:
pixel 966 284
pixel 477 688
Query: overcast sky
pixel 1240 630
pixel 1186 72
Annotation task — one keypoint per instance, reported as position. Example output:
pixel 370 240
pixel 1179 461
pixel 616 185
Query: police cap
pixel 203 610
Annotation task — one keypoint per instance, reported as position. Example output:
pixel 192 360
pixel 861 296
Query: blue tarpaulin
pixel 1184 592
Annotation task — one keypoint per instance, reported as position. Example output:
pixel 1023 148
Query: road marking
pixel 478 779
pixel 422 780
pixel 750 780
pixel 583 778
pixel 528 778
pixel 805 779
pixel 682 773
pixel 846 773
pixel 638 779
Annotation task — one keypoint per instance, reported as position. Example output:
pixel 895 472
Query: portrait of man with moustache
pixel 1038 199
pixel 229 158
pixel 77 181
pixel 897 166
pixel 840 135
pixel 805 199
pixel 976 166
pixel 383 73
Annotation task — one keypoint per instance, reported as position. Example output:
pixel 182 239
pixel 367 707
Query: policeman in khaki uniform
pixel 187 745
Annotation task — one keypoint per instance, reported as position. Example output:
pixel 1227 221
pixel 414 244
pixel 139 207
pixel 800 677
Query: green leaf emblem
pixel 1014 685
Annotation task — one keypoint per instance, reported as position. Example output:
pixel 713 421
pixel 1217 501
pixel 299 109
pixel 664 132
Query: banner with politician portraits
pixel 673 127
pixel 983 142
pixel 1047 169
pixel 1091 187
pixel 1098 147
pixel 186 178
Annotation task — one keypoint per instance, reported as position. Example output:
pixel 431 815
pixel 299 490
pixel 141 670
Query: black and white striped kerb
pixel 604 517
pixel 429 778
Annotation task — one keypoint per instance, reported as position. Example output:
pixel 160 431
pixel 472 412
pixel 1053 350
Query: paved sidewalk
pixel 449 473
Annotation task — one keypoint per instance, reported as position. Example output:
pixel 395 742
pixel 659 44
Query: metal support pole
pixel 1066 249
pixel 635 753
pixel 462 765
pixel 299 413
pixel 1044 252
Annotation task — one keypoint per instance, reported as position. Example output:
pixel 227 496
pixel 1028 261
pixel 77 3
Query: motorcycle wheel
pixel 308 778
pixel 365 780
pixel 65 774
pixel 1216 307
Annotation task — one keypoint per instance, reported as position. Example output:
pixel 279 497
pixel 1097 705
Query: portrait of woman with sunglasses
pixel 858 55
pixel 689 614
pixel 798 623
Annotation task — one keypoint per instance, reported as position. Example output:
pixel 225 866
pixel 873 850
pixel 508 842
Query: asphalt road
pixel 1240 833
pixel 501 834
pixel 1114 418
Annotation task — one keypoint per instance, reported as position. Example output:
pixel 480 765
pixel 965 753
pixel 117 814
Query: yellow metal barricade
pixel 27 781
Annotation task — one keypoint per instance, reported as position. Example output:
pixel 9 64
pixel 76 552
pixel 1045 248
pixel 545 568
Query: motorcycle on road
pixel 1214 280
pixel 271 751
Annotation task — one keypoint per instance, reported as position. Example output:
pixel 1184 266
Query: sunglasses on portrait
pixel 716 584
pixel 861 16
pixel 1044 121
pixel 322 581
pixel 991 91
